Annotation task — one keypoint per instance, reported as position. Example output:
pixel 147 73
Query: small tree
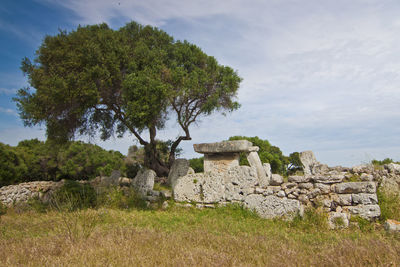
pixel 132 79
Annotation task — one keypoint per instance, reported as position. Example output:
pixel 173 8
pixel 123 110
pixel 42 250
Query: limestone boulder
pixel 254 161
pixel 179 168
pixel 309 161
pixel 239 182
pixel 337 220
pixel 355 187
pixel 368 212
pixel 393 168
pixel 267 169
pixel 144 181
pixel 365 199
pixel 276 179
pixel 298 179
pixel 188 188
pixel 271 206
pixel 223 147
pixel 213 188
pixel 392 226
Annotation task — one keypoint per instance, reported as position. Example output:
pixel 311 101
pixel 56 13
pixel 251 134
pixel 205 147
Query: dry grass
pixel 185 237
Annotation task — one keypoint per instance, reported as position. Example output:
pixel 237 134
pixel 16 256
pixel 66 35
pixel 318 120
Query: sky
pixel 318 75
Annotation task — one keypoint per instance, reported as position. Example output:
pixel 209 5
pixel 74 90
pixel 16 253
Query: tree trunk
pixel 152 161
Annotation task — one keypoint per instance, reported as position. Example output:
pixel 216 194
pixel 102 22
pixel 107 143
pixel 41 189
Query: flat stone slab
pixel 224 147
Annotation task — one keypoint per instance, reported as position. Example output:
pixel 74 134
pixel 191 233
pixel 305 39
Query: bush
pixel 312 219
pixel 389 202
pixel 197 164
pixel 74 195
pixel 3 209
pixel 118 198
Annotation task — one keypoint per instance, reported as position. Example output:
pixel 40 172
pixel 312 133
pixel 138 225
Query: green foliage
pixel 3 209
pixel 313 219
pixel 197 164
pixel 74 195
pixel 33 160
pixel 382 162
pixel 295 164
pixel 389 202
pixel 160 187
pixel 364 224
pixel 353 178
pixel 132 79
pixel 118 198
pixel 267 153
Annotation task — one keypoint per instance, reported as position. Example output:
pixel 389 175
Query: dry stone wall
pixel 341 192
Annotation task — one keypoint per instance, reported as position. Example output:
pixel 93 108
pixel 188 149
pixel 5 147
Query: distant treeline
pixel 33 160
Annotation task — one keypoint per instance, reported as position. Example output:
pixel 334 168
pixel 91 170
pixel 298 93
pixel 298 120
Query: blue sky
pixel 317 75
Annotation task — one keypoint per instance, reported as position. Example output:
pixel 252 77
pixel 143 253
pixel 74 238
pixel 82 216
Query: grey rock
pixel 307 186
pixel 239 182
pixel 366 177
pixel 298 179
pixel 342 199
pixel 393 168
pixel 124 181
pixel 267 169
pixel 313 193
pixel 188 188
pixel 368 212
pixel 355 187
pixel 221 162
pixel 144 181
pixel 303 198
pixel 114 177
pixel 272 206
pixel 281 194
pixel 392 226
pixel 212 188
pixel 325 188
pixel 254 161
pixel 223 147
pixel 276 179
pixel 365 199
pixel 338 220
pixel 179 168
pixel 166 194
pixel 328 179
pixel 308 160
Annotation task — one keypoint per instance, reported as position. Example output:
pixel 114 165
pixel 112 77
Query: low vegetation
pixel 114 227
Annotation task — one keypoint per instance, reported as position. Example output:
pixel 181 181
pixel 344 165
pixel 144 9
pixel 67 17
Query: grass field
pixel 228 236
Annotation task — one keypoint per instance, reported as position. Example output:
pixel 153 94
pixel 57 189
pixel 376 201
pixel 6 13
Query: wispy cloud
pixel 8 111
pixel 7 91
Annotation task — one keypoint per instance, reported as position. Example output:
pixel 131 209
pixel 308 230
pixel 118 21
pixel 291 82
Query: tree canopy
pixel 96 79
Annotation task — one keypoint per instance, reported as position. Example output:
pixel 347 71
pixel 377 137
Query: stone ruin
pixel 225 181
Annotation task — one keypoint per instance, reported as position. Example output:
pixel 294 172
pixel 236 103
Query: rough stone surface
pixel 298 179
pixel 365 199
pixel 223 147
pixel 325 188
pixel 327 179
pixel 355 187
pixel 114 177
pixel 220 162
pixel 188 188
pixel 342 199
pixel 239 182
pixel 308 160
pixel 267 169
pixel 276 179
pixel 180 167
pixel 337 220
pixel 393 168
pixel 144 181
pixel 368 212
pixel 272 206
pixel 392 226
pixel 212 189
pixel 254 161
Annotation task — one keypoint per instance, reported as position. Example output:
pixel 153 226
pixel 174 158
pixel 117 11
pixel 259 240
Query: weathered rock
pixel 392 226
pixel 298 179
pixel 239 182
pixel 223 147
pixel 124 181
pixel 114 177
pixel 393 168
pixel 144 181
pixel 276 179
pixel 355 187
pixel 364 168
pixel 365 199
pixel 342 199
pixel 325 188
pixel 254 161
pixel 267 169
pixel 368 212
pixel 307 186
pixel 281 194
pixel 220 162
pixel 366 177
pixel 212 189
pixel 188 188
pixel 328 179
pixel 308 160
pixel 179 168
pixel 338 220
pixel 166 194
pixel 272 206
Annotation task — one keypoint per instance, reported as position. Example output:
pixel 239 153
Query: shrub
pixel 197 164
pixel 3 209
pixel 74 195
pixel 364 224
pixel 389 203
pixel 312 219
pixel 118 198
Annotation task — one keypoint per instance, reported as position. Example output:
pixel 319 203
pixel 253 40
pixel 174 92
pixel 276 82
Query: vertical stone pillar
pixel 254 161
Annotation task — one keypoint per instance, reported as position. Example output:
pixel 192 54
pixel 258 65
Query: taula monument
pixel 225 181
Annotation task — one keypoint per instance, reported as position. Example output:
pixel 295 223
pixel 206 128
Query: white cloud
pixel 8 111
pixel 7 91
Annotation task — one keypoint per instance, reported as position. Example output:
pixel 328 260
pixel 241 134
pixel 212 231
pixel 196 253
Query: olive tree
pixel 96 79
